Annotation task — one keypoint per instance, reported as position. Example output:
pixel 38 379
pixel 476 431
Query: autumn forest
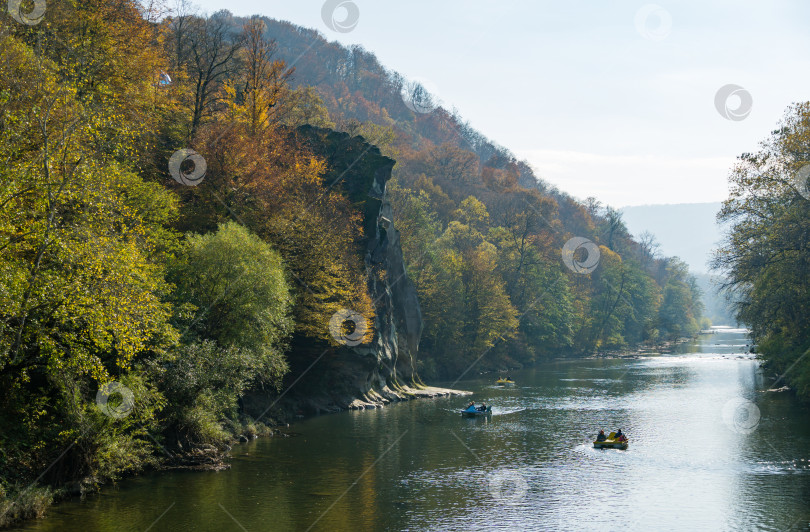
pixel 185 204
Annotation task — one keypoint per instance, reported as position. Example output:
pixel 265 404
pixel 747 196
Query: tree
pixel 81 236
pixel 237 285
pixel 467 310
pixel 473 213
pixel 182 15
pixel 306 107
pixel 681 307
pixel 766 255
pixel 418 228
pixel 212 51
pixel 203 382
pixel 451 162
pixel 593 205
pixel 84 241
pixel 650 248
pixel 614 229
pixel 264 80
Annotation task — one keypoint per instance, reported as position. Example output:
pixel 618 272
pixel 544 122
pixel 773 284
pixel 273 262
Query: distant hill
pixel 686 230
pixel 717 308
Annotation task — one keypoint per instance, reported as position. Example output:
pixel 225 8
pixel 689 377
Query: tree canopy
pixel 767 253
pixel 138 308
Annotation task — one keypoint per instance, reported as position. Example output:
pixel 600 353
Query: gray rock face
pixel 398 321
pixel 373 374
pixel 384 370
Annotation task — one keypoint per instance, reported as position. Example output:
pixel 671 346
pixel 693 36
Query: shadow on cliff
pixel 326 378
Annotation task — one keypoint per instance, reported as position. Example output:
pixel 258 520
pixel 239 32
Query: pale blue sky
pixel 577 89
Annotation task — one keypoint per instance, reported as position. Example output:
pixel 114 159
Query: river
pixel 709 450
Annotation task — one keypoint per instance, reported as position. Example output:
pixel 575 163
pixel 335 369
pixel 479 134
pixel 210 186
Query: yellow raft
pixel 504 382
pixel 610 443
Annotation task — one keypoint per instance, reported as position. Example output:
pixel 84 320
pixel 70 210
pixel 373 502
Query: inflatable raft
pixel 611 443
pixel 471 411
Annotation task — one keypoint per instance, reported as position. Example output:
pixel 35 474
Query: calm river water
pixel 709 450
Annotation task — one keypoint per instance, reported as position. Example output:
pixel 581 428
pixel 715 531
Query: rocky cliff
pixel 384 370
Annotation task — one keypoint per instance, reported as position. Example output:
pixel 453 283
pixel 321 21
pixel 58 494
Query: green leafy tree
pixel 681 307
pixel 84 241
pixel 238 287
pixel 767 253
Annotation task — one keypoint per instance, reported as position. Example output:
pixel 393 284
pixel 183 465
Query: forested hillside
pixel 482 235
pixel 175 236
pixel 767 253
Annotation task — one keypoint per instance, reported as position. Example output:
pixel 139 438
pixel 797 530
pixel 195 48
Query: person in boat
pixel 601 436
pixel 620 436
pixel 482 408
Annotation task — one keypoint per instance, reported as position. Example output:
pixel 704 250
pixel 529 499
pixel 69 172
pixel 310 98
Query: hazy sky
pixel 608 99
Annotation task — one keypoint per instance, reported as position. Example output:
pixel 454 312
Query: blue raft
pixel 471 411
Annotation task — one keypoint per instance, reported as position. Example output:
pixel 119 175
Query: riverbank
pixel 19 504
pixel 412 465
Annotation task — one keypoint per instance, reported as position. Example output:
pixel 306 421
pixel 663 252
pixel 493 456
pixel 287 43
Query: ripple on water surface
pixel 529 466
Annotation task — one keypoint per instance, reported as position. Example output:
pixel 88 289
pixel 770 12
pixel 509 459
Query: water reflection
pixel 530 466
